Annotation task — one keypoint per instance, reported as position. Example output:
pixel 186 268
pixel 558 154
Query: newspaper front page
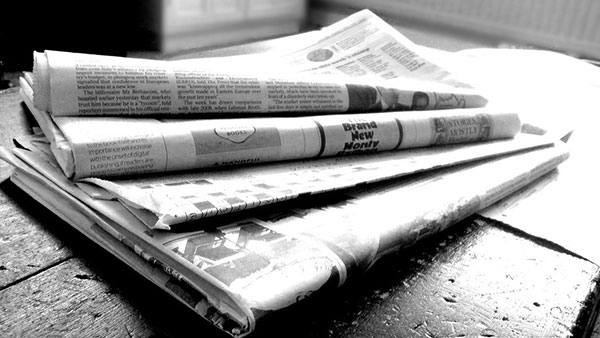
pixel 255 264
pixel 358 64
pixel 117 146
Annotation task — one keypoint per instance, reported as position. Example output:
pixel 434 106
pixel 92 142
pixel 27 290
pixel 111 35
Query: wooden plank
pixel 69 300
pixel 490 282
pixel 596 329
pixel 27 242
pixel 94 295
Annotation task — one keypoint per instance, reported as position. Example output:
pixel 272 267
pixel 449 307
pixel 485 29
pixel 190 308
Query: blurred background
pixel 162 28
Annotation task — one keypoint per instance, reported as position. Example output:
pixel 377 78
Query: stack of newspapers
pixel 179 168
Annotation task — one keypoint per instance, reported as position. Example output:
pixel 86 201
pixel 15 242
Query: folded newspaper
pixel 358 64
pixel 111 146
pixel 233 271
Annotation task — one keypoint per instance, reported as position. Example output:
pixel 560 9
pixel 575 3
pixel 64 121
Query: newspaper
pixel 113 146
pixel 248 266
pixel 162 201
pixel 358 64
